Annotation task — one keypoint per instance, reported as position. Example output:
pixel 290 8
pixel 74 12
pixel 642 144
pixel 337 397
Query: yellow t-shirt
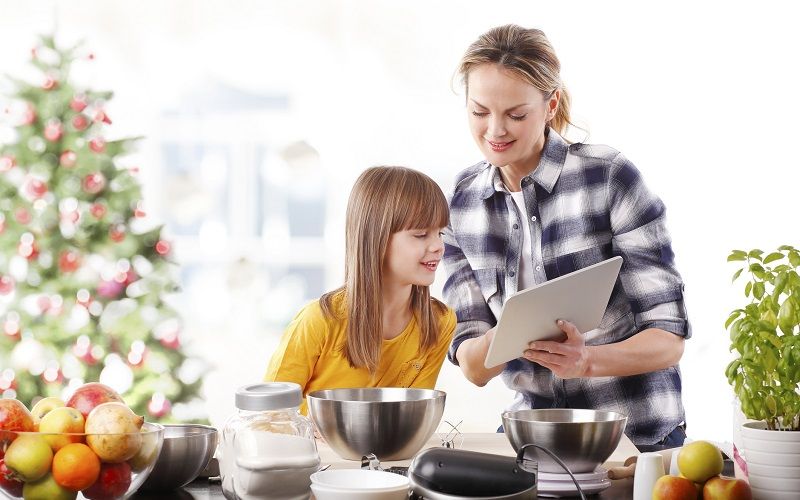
pixel 310 354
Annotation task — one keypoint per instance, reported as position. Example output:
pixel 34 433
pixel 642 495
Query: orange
pixel 75 467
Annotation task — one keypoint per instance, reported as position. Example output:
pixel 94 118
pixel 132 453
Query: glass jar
pixel 268 449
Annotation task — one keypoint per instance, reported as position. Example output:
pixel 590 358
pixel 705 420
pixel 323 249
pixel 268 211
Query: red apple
pixel 113 482
pixel 88 396
pixel 726 488
pixel 674 488
pixel 7 482
pixel 13 417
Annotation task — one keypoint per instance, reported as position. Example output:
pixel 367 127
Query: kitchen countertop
pixel 622 489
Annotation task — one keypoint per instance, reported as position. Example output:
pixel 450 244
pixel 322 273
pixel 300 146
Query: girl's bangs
pixel 424 207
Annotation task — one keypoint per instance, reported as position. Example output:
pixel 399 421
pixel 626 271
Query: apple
pixel 43 406
pixel 88 396
pixel 726 488
pixel 8 482
pixel 13 417
pixel 674 488
pixel 700 460
pixel 113 482
pixel 113 432
pixel 29 457
pixel 60 421
pixel 47 488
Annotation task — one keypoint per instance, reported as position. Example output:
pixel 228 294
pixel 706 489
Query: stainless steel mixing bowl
pixel 186 452
pixel 583 439
pixel 392 423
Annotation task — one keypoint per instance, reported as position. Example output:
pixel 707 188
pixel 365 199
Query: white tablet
pixel 579 297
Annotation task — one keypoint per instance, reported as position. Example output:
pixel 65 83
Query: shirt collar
pixel 546 173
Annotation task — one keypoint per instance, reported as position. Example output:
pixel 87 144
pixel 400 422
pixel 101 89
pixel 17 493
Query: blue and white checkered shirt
pixel 585 203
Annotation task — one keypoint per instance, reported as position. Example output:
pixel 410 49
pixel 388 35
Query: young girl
pixel 382 328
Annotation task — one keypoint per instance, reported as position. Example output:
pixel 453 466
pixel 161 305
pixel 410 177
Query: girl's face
pixel 508 116
pixel 412 257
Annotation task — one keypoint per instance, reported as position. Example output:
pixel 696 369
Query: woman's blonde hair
pixel 526 53
pixel 384 200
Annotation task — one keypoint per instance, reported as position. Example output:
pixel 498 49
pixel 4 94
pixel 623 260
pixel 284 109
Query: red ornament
pixel 139 210
pixel 28 250
pixel 159 406
pixel 53 130
pixel 11 328
pixel 50 83
pixel 117 232
pixel 22 215
pixel 80 122
pixel 53 375
pixel 7 162
pixel 29 116
pixel 94 183
pixel 6 285
pixel 78 103
pixel 69 261
pixel 98 210
pixel 98 145
pixel 101 117
pixel 170 340
pixel 35 188
pixel 163 247
pixel 136 357
pixel 72 216
pixel 68 159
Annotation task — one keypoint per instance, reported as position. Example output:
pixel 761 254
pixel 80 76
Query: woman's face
pixel 508 116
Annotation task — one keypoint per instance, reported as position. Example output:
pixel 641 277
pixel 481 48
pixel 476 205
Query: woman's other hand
pixel 566 359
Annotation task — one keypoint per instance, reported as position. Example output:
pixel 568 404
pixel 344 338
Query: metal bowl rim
pixel 616 417
pixel 436 394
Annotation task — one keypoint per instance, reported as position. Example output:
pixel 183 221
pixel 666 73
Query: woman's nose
pixel 496 128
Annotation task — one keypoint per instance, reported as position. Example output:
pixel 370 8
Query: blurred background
pixel 257 116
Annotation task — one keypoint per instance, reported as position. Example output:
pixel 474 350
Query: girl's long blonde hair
pixel 384 200
pixel 526 53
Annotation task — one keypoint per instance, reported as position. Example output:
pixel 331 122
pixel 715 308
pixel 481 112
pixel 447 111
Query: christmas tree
pixel 82 276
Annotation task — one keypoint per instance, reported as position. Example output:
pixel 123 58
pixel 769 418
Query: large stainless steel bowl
pixel 186 452
pixel 392 423
pixel 582 439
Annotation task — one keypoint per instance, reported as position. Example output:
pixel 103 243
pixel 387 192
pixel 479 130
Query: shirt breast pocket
pixel 574 259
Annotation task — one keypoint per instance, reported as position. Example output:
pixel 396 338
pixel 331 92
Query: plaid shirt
pixel 585 203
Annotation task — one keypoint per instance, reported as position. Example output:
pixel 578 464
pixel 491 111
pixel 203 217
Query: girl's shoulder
pixel 444 314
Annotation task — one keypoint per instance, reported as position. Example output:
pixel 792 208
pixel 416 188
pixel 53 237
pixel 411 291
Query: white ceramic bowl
pixel 770 482
pixel 768 494
pixel 773 470
pixel 358 484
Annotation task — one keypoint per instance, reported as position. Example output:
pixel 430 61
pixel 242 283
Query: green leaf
pixel 773 257
pixel 758 289
pixel 794 258
pixel 737 255
pixel 772 407
pixel 735 314
pixel 783 248
pixel 755 254
pixel 736 275
pixel 747 288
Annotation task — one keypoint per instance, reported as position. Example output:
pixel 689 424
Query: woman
pixel 537 208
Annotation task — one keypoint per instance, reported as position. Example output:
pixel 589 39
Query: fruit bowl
pixel 66 466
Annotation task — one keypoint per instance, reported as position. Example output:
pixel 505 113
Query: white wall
pixel 701 96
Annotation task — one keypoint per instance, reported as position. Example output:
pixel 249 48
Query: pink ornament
pixel 163 247
pixel 53 130
pixel 117 232
pixel 80 122
pixel 110 289
pixel 35 188
pixel 98 145
pixel 44 303
pixel 101 117
pixel 170 340
pixel 159 406
pixel 7 162
pixel 139 210
pixel 28 250
pixel 98 210
pixel 94 183
pixel 22 215
pixel 6 285
pixel 50 83
pixel 78 103
pixel 68 159
pixel 2 223
pixel 11 328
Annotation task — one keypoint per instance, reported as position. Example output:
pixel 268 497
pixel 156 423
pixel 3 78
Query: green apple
pixel 29 457
pixel 43 406
pixel 58 423
pixel 147 454
pixel 699 460
pixel 47 488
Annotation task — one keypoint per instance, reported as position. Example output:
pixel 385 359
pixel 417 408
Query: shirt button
pixel 538 268
pixel 516 226
pixel 533 218
pixel 511 273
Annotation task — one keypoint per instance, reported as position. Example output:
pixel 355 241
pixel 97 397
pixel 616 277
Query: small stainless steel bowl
pixel 582 439
pixel 393 423
pixel 186 452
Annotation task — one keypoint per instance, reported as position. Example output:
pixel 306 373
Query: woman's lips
pixel 430 266
pixel 499 147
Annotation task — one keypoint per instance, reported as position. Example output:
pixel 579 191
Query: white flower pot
pixel 773 461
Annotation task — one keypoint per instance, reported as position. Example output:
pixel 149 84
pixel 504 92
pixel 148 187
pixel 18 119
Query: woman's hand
pixel 566 359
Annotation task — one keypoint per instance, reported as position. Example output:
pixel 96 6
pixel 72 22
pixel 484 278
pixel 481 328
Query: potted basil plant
pixel 765 375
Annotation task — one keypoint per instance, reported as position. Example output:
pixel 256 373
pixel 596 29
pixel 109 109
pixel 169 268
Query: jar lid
pixel 269 396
